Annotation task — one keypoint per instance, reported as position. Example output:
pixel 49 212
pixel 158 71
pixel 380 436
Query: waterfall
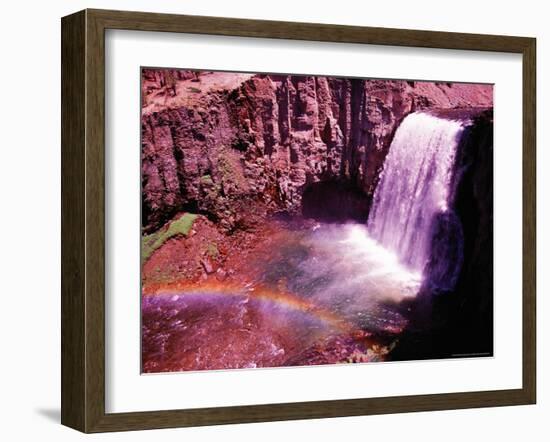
pixel 412 212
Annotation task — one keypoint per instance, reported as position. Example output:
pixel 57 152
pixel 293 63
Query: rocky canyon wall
pixel 239 146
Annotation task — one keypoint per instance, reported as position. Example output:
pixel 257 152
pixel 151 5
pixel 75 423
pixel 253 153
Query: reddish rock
pixel 232 144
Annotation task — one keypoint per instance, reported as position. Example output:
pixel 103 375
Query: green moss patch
pixel 212 251
pixel 179 226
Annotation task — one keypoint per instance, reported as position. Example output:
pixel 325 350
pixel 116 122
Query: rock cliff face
pixel 474 205
pixel 238 146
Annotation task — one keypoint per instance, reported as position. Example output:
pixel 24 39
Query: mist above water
pixel 341 268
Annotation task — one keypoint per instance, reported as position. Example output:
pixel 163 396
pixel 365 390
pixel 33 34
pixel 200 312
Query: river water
pixel 326 294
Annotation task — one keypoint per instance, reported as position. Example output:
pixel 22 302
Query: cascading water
pixel 412 208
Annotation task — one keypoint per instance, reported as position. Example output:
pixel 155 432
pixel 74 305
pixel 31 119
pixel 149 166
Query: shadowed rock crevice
pixel 335 201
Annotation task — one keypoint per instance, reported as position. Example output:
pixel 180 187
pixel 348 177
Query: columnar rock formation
pixel 238 146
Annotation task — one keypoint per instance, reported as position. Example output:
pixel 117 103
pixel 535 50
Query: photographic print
pixel 296 220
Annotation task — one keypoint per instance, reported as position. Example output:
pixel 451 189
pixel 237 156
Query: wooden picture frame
pixel 83 220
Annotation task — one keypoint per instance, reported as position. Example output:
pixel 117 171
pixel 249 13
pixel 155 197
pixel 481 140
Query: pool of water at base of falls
pixel 326 294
